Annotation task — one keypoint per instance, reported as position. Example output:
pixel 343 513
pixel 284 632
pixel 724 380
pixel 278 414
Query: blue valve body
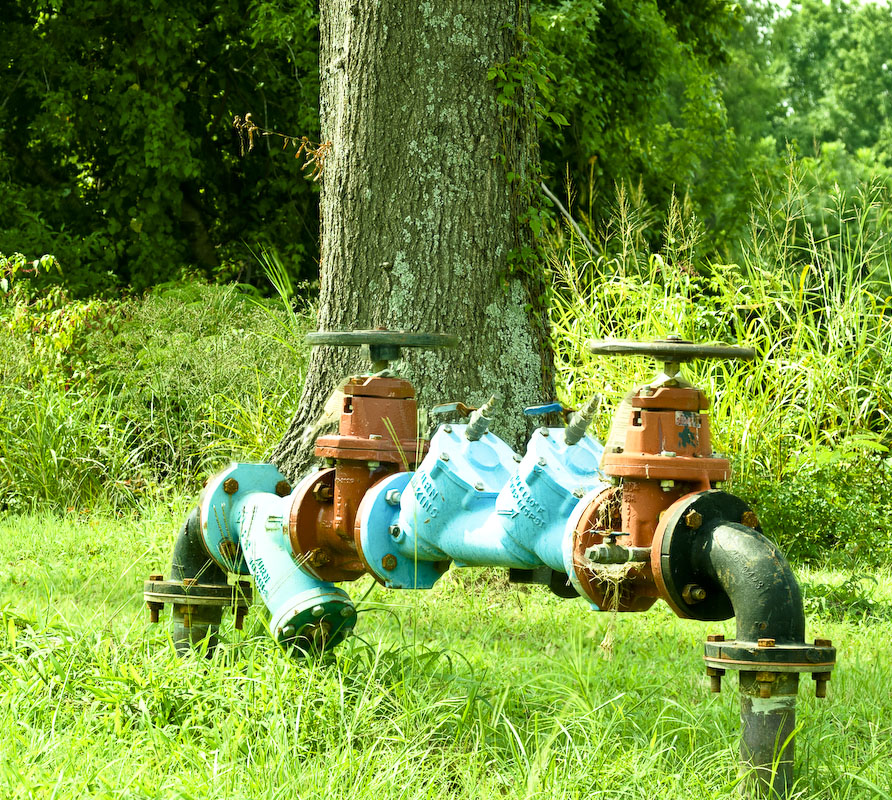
pixel 472 503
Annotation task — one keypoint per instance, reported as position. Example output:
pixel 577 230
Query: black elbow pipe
pixel 757 579
pixel 711 562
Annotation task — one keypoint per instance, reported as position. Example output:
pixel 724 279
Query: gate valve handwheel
pixel 671 351
pixel 384 346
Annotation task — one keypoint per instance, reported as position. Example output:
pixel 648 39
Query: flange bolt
pixel 693 519
pixel 389 562
pixel 394 531
pixel 692 593
pixel 283 488
pixel 766 642
pixel 230 486
pixel 393 496
pixel 317 611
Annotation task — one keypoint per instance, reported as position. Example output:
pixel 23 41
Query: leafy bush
pixel 106 402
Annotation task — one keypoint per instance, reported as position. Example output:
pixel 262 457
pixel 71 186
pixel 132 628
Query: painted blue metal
pixel 471 502
pixel 383 543
pixel 217 513
pixel 254 517
pixel 546 408
pixel 553 476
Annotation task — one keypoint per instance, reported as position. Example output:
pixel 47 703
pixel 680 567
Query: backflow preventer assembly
pixel 643 520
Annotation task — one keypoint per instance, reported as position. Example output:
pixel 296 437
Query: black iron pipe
pixel 192 624
pixel 767 606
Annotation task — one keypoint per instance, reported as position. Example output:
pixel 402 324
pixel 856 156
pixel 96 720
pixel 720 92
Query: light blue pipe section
pixel 473 503
pixel 305 612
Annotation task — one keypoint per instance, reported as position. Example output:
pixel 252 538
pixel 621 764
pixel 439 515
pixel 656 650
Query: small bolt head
pixel 693 519
pixel 348 611
pixel 322 492
pixel 692 593
pixel 667 486
pixel 230 486
pixel 444 456
pixel 715 637
pixel 447 429
pixel 288 630
pixel 157 576
pixel 668 453
pixel 766 643
pixel 318 557
pixel 673 337
pixel 823 643
pixel 579 493
pixel 479 486
pixel 517 457
pixel 375 436
pixel 616 449
pixel 317 611
pixel 543 431
pixel 283 488
pixel 392 497
pixel 394 531
pixel 749 519
pixel 389 562
pixel 541 462
pixel 189 582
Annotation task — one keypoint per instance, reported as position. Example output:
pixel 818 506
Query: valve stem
pixel 579 422
pixel 478 424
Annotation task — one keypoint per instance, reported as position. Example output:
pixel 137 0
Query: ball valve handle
pixel 384 346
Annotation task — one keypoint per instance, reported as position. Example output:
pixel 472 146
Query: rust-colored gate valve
pixel 667 529
pixel 659 450
pixel 377 436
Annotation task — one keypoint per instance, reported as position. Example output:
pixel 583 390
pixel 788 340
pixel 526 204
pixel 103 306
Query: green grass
pixel 475 689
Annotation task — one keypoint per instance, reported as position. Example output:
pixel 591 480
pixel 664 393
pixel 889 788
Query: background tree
pixel 430 115
pixel 117 152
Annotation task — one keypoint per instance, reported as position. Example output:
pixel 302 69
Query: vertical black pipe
pixel 193 624
pixel 767 606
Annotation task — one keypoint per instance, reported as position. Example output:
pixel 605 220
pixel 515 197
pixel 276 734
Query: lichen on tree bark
pixel 416 212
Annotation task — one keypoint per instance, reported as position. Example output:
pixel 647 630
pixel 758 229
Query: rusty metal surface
pixel 320 522
pixel 633 590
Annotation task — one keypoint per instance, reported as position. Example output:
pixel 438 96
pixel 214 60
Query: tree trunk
pixel 418 217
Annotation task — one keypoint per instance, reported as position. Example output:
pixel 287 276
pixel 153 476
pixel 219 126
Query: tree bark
pixel 418 217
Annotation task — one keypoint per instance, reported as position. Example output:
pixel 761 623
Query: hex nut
pixel 157 576
pixel 715 637
pixel 693 519
pixel 766 643
pixel 283 488
pixel 318 557
pixel 479 486
pixel 317 611
pixel 230 486
pixel 447 429
pixel 693 593
pixel 189 582
pixel 347 611
pixel 823 643
pixel 394 531
pixel 389 562
pixel 322 492
pixel 393 496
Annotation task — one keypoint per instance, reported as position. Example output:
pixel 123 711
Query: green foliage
pixel 854 599
pixel 111 403
pixel 637 82
pixel 116 148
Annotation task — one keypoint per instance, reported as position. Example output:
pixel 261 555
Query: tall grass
pixel 821 329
